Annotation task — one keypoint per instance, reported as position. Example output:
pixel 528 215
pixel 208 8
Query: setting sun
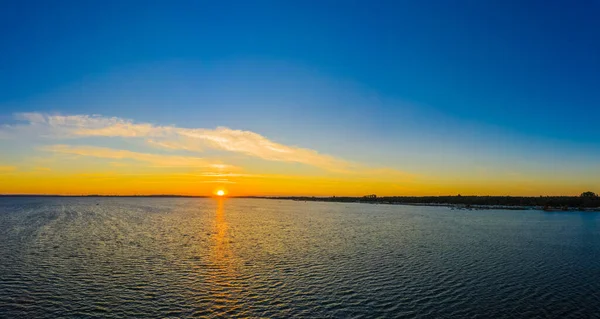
pixel 220 192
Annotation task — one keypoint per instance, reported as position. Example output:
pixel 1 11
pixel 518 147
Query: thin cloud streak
pixel 7 169
pixel 154 159
pixel 171 137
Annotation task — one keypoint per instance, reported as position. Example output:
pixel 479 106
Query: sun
pixel 220 192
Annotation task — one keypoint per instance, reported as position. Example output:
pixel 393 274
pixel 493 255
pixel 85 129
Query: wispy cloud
pixel 7 169
pixel 218 181
pixel 256 145
pixel 171 138
pixel 154 159
pixel 213 174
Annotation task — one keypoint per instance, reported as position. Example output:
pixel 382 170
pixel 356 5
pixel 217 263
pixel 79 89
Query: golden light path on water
pixel 221 280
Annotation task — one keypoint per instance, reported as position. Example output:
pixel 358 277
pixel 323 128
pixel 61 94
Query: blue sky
pixel 424 86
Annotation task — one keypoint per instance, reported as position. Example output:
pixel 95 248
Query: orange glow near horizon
pixel 148 182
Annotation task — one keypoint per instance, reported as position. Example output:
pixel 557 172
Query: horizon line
pixel 270 196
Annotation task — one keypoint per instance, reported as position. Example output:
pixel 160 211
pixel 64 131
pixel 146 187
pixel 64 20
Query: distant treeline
pixel 586 200
pixel 542 201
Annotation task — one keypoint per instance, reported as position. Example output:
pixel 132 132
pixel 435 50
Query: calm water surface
pixel 177 258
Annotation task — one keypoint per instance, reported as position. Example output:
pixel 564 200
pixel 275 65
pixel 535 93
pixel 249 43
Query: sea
pixel 261 258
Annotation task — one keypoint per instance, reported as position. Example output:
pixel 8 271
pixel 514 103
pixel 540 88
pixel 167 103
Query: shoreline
pixel 542 203
pixel 453 206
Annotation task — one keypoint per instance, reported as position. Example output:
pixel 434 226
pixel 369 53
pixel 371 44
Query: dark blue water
pixel 178 258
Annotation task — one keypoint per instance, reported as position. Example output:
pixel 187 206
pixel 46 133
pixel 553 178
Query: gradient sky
pixel 300 97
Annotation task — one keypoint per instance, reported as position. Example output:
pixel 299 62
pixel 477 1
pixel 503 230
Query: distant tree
pixel 589 195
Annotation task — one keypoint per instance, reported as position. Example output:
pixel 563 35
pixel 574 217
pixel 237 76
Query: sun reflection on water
pixel 223 275
pixel 221 252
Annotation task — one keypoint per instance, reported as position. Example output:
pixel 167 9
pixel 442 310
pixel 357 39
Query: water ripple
pixel 179 258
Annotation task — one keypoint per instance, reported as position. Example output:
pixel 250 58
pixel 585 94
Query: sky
pixel 316 98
